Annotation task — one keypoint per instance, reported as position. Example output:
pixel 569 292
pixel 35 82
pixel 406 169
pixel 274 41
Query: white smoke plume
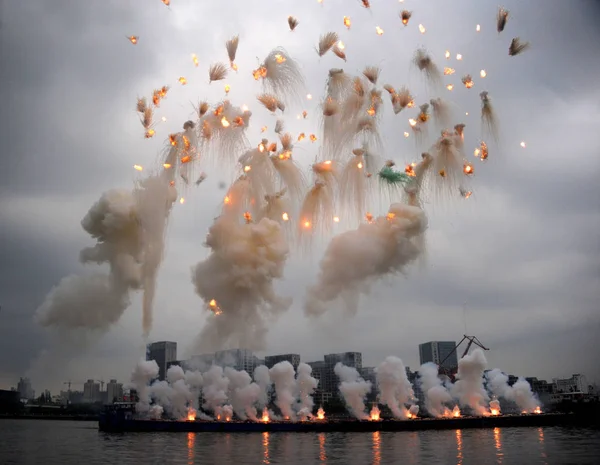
pixel 354 389
pixel 243 393
pixel 306 388
pixel 356 258
pixel 263 379
pixel 436 395
pixel 245 259
pixel 394 387
pixel 520 392
pixel 214 389
pixel 469 388
pixel 284 380
pixel 143 373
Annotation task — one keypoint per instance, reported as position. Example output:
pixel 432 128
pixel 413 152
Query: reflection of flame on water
pixel 459 454
pixel 498 444
pixel 321 414
pixel 266 447
pixel 265 416
pixel 376 448
pixel 375 412
pixel 456 412
pixel 190 445
pixel 322 454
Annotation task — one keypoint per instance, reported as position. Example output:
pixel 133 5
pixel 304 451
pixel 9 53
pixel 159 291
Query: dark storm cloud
pixel 516 254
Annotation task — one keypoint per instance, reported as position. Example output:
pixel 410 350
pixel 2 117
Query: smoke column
pixel 214 389
pixel 394 387
pixel 263 379
pixel 469 388
pixel 520 393
pixel 436 394
pixel 144 372
pixel 245 259
pixel 283 377
pixel 306 387
pixel 354 389
pixel 356 258
pixel 243 393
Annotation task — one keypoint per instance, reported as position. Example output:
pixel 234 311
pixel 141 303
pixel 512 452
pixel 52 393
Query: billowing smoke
pixel 354 389
pixel 143 373
pixel 469 388
pixel 436 395
pixel 520 392
pixel 243 393
pixel 238 275
pixel 263 379
pixel 356 258
pixel 129 230
pixel 214 390
pixel 283 377
pixel 306 387
pixel 394 387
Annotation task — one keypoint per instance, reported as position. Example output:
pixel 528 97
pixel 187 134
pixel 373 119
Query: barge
pixel 121 419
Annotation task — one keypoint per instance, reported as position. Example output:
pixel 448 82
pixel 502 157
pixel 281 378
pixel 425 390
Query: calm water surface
pixel 62 442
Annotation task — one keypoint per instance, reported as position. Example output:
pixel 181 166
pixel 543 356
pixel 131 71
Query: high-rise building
pixel 272 360
pixel 114 391
pixel 438 352
pixel 330 380
pixel 91 391
pixel 162 353
pixel 240 359
pixel 575 383
pixel 25 390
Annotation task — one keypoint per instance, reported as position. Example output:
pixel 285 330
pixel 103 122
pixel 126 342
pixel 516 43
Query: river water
pixel 66 442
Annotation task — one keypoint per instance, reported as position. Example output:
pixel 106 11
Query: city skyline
pixel 521 255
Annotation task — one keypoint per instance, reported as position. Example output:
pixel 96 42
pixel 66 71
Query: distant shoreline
pixel 50 417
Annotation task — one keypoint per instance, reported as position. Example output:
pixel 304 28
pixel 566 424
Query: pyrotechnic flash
pixel 378 30
pixel 422 29
pixel 522 144
pixel 347 22
pixel 478 28
pixel 405 16
pixel 482 73
pixel 459 56
pixel 348 267
pixel 447 54
pixel 195 59
pixel 182 80
pixel 133 39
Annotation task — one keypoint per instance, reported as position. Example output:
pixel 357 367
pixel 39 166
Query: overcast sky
pixel 520 258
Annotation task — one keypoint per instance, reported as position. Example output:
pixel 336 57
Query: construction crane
pixel 68 383
pixel 472 340
pixel 101 381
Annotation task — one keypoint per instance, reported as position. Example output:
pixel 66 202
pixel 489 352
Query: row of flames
pixel 375 414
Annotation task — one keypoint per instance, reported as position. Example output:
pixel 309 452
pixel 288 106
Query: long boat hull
pixel 115 424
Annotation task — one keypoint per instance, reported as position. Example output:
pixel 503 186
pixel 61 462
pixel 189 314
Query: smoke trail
pixel 394 387
pixel 354 389
pixel 306 387
pixel 356 258
pixel 283 377
pixel 436 394
pixel 245 259
pixel 469 388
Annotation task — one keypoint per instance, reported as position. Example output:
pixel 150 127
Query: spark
pixel 225 123
pixel 285 216
pixel 313 138
pixel 164 119
pixel 166 165
pixel 341 45
pixel 279 58
pixel 182 80
pixel 406 134
pixel 482 73
pixel 359 166
pixel 195 59
pixel 449 87
pixel 166 2
pixel 149 133
pixel 227 88
pixel 181 200
pixel 247 168
pixel 263 129
pixel 133 39
pixel 449 71
pixel 478 28
pixel 412 122
pixel 309 96
pixel 468 169
pixel 301 136
pixel 379 31
pixel 422 29
pixel 137 167
pixel 523 144
pixel 447 54
pixel 336 219
pixel 458 56
pixel 307 224
pixel 244 108
pixel 347 21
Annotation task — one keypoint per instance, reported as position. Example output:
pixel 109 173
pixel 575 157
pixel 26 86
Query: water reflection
pixel 322 454
pixel 542 445
pixel 498 444
pixel 265 443
pixel 459 447
pixel 376 448
pixel 191 439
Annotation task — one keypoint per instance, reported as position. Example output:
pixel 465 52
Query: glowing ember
pixel 313 138
pixel 186 159
pixel 195 59
pixel 336 219
pixel 456 412
pixel 182 80
pixel 227 200
pixel 410 170
pixel 214 307
pixel 478 28
pixel 375 412
pixel 285 216
pixel 468 169
pixel 482 73
pixel 412 122
pixel 347 22
pixel 447 54
pixel 149 133
pixel 225 123
pixel 449 87
pixel 301 136
pixel 523 144
pixel 422 29
pixel 458 56
pixel 309 96
pixel 279 58
pixel 248 217
pixel 247 168
pixel 449 71
pixel 359 165
pixel 133 39
pixel 379 31
pixel 265 416
pixel 340 45
pixel 191 416
pixel 227 88
pixel 137 167
pixel 406 134
pixel 167 165
pixel 307 224
pixel 181 200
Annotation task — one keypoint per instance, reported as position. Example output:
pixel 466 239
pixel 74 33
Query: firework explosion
pixel 283 197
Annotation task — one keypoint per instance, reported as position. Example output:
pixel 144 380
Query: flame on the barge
pixel 321 414
pixel 265 416
pixel 456 412
pixel 191 415
pixel 375 412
